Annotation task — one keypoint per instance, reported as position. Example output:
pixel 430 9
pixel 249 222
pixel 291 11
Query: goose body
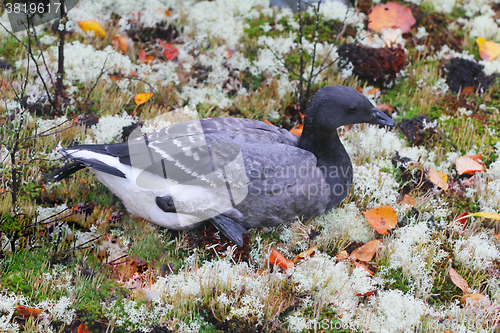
pixel 236 173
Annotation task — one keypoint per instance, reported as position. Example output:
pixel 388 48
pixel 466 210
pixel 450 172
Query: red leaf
pixel 171 54
pixel 461 221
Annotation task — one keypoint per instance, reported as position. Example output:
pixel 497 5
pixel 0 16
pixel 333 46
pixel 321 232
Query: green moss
pixel 9 48
pixel 397 280
pixel 22 273
pixel 158 248
pixel 435 112
pixel 328 321
pixel 443 288
pixel 94 286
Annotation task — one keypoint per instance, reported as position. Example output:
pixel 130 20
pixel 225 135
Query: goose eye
pixel 352 109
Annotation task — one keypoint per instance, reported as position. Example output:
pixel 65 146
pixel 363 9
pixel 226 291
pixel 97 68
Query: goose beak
pixel 380 118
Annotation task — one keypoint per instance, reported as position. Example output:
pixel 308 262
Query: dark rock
pixel 377 64
pixel 5 65
pixel 461 73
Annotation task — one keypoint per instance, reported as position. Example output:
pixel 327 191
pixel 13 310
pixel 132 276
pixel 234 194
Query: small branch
pixel 290 69
pixel 40 135
pixel 114 260
pixel 60 60
pixel 81 246
pixel 46 68
pixel 45 219
pixel 301 52
pixel 98 78
pixel 311 79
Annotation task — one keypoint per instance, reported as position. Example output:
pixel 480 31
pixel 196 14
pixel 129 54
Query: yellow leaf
pixel 438 178
pixel 443 175
pixel 91 25
pixel 142 98
pixel 487 215
pixel 488 50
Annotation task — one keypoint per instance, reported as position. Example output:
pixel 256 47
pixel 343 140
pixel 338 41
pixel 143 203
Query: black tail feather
pixel 65 171
pixel 230 228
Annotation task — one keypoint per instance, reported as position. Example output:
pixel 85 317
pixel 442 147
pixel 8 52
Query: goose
pixel 235 173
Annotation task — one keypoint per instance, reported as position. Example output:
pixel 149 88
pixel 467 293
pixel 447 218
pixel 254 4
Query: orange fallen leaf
pixel 120 43
pixel 473 299
pixel 408 200
pixel 145 59
pixel 391 15
pixel 469 165
pixel 373 91
pixel 229 54
pixel 382 219
pixel 25 312
pixel 360 265
pixel 488 50
pixel 275 258
pixel 83 329
pixel 268 122
pixel 342 255
pixel 366 252
pixel 168 13
pixel 115 78
pixel 387 108
pixel 297 130
pixel 458 280
pixel 308 253
pixel 438 178
pixel 142 98
pixel 467 91
pixel 497 236
pixel 91 25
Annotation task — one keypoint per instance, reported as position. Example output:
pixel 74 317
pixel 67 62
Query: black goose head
pixel 334 106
